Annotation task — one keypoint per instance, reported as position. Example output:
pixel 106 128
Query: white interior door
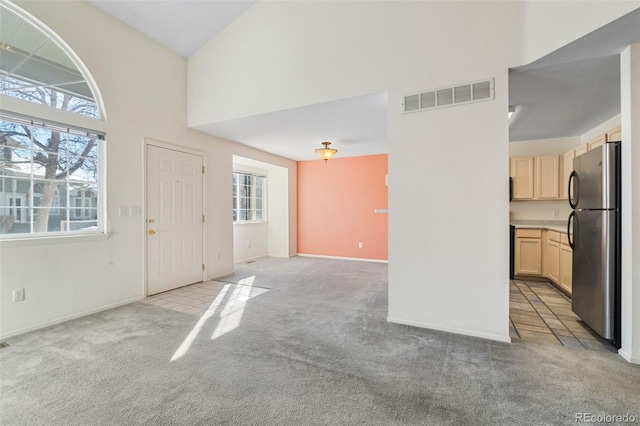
pixel 174 219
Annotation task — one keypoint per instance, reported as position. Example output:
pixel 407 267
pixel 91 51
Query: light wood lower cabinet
pixel 528 252
pixel 552 258
pixel 566 263
pixel 544 254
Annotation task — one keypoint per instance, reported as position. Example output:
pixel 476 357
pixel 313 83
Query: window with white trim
pixel 248 197
pixel 49 178
pixel 49 172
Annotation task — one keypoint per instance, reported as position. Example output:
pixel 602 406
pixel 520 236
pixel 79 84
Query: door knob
pixel 151 232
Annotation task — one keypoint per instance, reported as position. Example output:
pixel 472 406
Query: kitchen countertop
pixel 551 225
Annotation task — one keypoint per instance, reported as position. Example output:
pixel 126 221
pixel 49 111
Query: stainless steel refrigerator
pixel 594 227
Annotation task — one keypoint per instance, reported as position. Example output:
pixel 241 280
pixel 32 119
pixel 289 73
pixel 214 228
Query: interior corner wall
pixel 337 200
pixel 630 99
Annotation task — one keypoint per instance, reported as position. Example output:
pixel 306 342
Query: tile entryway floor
pixel 193 299
pixel 538 312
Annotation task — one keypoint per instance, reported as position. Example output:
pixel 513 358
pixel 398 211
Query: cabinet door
pixel 614 134
pixel 528 256
pixel 547 177
pixel 553 261
pixel 600 140
pixel 582 149
pixel 566 267
pixel 522 173
pixel 566 171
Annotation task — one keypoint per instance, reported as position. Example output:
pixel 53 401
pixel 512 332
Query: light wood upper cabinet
pixel 547 177
pixel 581 149
pixel 522 172
pixel 614 134
pixel 528 252
pixel 596 142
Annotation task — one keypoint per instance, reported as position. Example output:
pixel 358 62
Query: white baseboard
pixel 69 317
pixel 454 330
pixel 627 357
pixel 248 259
pixel 215 277
pixel 359 259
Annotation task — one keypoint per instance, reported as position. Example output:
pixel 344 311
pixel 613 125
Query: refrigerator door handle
pixel 569 233
pixel 573 176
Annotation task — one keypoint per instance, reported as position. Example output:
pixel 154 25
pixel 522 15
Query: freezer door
pixel 594 272
pixel 594 179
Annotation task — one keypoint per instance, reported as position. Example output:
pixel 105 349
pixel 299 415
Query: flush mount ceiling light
pixel 326 152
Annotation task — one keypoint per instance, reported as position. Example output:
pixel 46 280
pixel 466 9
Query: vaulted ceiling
pixel 564 93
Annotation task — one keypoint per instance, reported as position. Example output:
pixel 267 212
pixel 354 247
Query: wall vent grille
pixel 448 96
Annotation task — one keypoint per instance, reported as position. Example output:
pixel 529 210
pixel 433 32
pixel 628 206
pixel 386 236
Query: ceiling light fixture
pixel 326 152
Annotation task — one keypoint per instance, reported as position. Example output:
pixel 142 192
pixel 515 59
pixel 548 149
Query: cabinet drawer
pixel 528 233
pixel 554 236
pixel 564 240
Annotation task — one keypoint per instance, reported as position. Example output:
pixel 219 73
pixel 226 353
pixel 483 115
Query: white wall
pixel 144 90
pixel 549 25
pixel 250 241
pixel 630 91
pixel 543 146
pixel 388 45
pixel 600 129
pixel 448 268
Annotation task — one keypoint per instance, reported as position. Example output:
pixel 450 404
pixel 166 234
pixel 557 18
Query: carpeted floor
pixel 300 341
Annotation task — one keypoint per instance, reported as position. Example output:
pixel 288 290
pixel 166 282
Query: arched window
pixel 50 172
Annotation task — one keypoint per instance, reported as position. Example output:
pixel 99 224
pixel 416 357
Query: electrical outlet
pixel 555 213
pixel 248 245
pixel 122 211
pixel 360 245
pixel 18 295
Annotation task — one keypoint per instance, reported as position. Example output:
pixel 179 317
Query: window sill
pixel 250 223
pixel 57 239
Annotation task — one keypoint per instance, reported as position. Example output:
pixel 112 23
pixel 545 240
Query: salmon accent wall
pixel 336 203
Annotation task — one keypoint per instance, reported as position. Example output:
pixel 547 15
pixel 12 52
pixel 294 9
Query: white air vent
pixel 448 96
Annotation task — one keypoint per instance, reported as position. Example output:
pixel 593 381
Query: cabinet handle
pixel 151 232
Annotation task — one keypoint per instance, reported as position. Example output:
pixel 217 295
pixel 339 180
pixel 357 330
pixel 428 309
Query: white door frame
pixel 179 148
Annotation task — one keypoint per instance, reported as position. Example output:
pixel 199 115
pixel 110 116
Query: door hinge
pixel 202 218
pixel 203 266
pixel 202 169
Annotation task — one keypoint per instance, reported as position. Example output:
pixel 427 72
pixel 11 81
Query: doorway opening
pixel 260 210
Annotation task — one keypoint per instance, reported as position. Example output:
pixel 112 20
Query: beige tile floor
pixel 193 299
pixel 538 312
